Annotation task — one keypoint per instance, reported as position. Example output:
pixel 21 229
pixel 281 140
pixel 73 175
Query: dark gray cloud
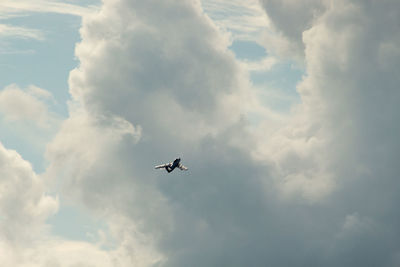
pixel 349 93
pixel 289 19
pixel 292 18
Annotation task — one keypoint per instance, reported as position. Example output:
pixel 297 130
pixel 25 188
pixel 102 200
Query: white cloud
pixel 263 64
pixel 14 7
pixel 20 32
pixel 23 205
pixel 22 200
pixel 244 20
pixel 25 237
pixel 40 93
pixel 19 105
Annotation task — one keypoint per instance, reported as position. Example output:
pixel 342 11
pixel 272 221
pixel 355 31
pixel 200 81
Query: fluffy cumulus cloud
pixel 342 138
pixel 25 238
pixel 156 80
pixel 22 199
pixel 290 18
pixel 30 105
pixel 163 68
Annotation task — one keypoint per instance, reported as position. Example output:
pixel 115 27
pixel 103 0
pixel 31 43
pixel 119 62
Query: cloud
pixel 319 189
pixel 244 20
pixel 25 237
pixel 175 78
pixel 290 19
pixel 19 105
pixel 23 201
pixel 11 8
pixel 342 130
pixel 40 93
pixel 20 32
pixel 23 206
pixel 263 64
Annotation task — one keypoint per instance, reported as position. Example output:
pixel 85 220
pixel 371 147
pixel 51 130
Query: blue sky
pixel 44 63
pixel 55 54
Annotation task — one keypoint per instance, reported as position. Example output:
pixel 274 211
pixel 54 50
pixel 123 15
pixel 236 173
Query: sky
pixel 285 113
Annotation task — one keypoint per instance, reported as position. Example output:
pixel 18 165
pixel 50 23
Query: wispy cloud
pixel 17 8
pixel 10 8
pixel 20 32
pixel 264 64
pixel 245 19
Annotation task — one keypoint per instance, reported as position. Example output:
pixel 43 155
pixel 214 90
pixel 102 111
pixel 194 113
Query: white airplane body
pixel 172 165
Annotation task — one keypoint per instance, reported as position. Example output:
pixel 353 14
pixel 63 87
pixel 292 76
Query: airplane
pixel 172 165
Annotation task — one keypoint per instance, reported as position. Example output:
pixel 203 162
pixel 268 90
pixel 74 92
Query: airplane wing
pixel 183 168
pixel 162 166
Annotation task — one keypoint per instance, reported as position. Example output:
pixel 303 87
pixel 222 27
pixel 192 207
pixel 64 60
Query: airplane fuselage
pixel 175 163
pixel 169 167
